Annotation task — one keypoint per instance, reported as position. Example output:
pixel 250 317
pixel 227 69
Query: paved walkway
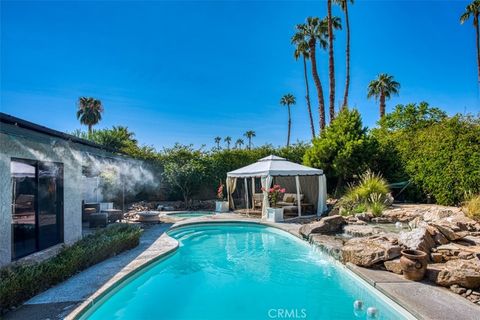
pixel 57 302
pixel 421 299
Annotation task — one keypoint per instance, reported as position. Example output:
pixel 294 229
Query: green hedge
pixel 19 283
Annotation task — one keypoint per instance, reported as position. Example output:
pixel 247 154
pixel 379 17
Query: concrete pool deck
pixel 68 299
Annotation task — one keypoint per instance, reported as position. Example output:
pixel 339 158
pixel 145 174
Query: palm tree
pixel 336 24
pixel 239 143
pixel 344 5
pixel 249 135
pixel 89 112
pixel 302 49
pixel 217 141
pixel 382 88
pixel 331 63
pixel 288 100
pixel 312 33
pixel 473 9
pixel 228 140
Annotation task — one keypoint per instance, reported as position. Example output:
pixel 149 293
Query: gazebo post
pixel 299 201
pixel 253 193
pixel 246 194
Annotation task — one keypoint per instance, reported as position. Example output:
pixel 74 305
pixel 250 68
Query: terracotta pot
pixel 414 264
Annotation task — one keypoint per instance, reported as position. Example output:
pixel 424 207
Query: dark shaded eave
pixel 8 119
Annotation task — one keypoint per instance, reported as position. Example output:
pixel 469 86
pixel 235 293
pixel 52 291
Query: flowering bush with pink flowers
pixel 273 194
pixel 220 191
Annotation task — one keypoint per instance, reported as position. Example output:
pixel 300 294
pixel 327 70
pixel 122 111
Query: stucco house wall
pixel 16 142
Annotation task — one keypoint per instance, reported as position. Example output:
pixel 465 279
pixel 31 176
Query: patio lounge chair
pixel 257 200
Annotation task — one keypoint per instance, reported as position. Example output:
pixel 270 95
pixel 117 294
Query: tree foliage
pixel 343 148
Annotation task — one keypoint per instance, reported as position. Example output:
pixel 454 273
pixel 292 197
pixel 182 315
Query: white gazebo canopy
pixel 273 166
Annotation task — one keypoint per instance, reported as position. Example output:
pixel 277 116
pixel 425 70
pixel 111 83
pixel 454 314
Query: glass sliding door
pixel 50 204
pixel 24 222
pixel 37 206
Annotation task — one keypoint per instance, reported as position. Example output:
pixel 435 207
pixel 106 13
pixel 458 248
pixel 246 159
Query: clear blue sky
pixel 189 71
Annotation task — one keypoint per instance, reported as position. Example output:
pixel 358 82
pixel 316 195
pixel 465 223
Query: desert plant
pixel 371 183
pixel 371 192
pixel 377 203
pixel 360 208
pixel 472 207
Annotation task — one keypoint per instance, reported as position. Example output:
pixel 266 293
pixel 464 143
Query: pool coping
pixel 166 245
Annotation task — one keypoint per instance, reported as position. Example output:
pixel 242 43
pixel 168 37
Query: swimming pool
pixel 190 214
pixel 242 271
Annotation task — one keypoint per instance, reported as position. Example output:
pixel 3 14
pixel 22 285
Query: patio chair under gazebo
pixel 308 183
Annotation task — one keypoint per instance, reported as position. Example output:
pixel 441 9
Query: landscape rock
pixel 440 239
pixel 457 289
pixel 366 216
pixel 328 244
pixel 417 239
pixel 368 251
pixel 448 232
pixel 465 273
pixel 382 220
pixel 330 224
pixel 436 257
pixel 393 266
pixel 359 230
pixel 472 240
pixel 436 215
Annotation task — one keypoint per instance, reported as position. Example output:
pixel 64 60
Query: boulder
pixel 368 251
pixel 457 289
pixel 359 230
pixel 328 244
pixel 436 215
pixel 436 257
pixel 366 216
pixel 465 273
pixel 417 239
pixel 440 239
pixel 448 232
pixel 393 266
pixel 331 224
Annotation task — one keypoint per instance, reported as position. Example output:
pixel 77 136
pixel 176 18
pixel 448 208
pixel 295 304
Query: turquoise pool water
pixel 242 271
pixel 191 214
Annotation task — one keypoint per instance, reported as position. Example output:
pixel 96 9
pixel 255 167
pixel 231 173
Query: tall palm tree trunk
pixel 382 104
pixel 307 97
pixel 347 55
pixel 331 63
pixel 289 126
pixel 90 130
pixel 318 84
pixel 478 46
pixel 249 143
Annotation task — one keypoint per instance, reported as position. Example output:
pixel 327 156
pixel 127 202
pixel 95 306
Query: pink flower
pixel 282 190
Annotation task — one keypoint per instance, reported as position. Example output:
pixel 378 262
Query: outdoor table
pixel 113 214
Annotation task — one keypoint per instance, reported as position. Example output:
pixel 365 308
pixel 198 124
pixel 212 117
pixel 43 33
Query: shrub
pixel 472 207
pixel 360 208
pixel 21 282
pixel 371 192
pixel 343 148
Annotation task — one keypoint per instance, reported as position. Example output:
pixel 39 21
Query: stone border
pixel 165 245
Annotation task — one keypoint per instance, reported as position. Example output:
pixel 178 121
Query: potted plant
pixel 274 213
pixel 221 205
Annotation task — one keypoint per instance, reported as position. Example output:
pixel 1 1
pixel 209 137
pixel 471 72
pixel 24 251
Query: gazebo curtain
pixel 322 194
pixel 231 186
pixel 266 184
